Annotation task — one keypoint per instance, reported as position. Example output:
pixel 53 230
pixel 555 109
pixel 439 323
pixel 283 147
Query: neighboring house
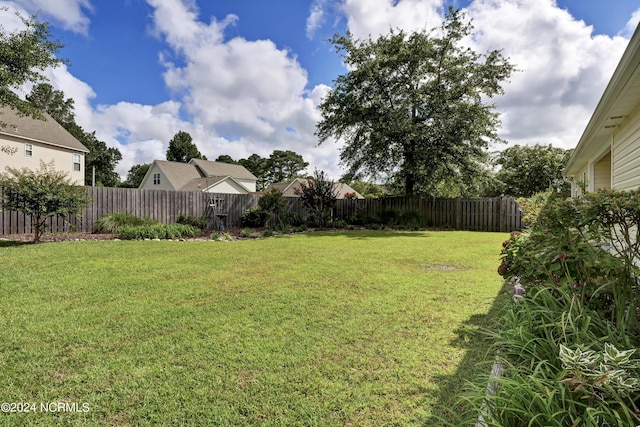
pixel 289 188
pixel 199 175
pixel 608 153
pixel 32 140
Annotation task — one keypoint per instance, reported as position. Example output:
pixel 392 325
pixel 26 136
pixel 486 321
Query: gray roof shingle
pixel 46 131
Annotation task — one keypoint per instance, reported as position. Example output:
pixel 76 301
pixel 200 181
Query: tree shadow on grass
pixel 477 362
pixel 12 243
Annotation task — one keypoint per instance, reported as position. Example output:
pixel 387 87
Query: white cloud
pixel 632 24
pixel 376 17
pixel 70 14
pixel 563 67
pixel 245 96
pixel 315 18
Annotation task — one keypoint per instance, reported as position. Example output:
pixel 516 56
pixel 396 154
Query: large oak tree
pixel 413 106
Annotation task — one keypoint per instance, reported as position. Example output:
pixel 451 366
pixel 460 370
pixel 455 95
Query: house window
pixel 156 179
pixel 76 162
pixel 28 150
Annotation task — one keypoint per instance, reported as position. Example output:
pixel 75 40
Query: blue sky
pixel 245 76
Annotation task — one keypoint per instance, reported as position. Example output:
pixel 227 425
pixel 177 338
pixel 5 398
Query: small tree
pixel 319 195
pixel 42 194
pixel 273 203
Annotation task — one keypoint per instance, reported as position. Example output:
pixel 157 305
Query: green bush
pixel 387 217
pixel 254 217
pixel 413 220
pixel 569 345
pixel 338 223
pixel 291 218
pixel 202 222
pixel 111 223
pixel 157 231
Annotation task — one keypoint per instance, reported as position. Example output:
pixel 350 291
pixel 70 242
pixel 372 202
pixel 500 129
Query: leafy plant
pixel 273 202
pixel 254 217
pixel 156 231
pixel 202 222
pixel 319 196
pixel 111 223
pixel 42 194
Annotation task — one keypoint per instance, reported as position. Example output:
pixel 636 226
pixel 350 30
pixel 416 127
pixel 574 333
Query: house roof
pixel 178 174
pixel 46 131
pixel 340 188
pixel 619 100
pixel 198 175
pixel 221 169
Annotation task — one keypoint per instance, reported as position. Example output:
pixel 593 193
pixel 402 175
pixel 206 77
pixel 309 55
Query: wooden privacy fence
pixel 479 214
pixel 162 205
pixel 487 214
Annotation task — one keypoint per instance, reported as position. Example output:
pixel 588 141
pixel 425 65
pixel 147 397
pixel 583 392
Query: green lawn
pixel 349 328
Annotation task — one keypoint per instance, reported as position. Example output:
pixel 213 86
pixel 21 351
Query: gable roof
pixel 338 187
pixel 199 175
pixel 46 131
pixel 178 174
pixel 619 101
pixel 210 168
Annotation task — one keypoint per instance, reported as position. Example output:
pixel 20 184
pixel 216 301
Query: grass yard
pixel 358 328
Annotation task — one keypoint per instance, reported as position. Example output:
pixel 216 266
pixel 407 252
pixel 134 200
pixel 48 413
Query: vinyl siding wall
pixel 62 158
pixel 626 155
pixel 227 187
pixel 602 172
pixel 148 184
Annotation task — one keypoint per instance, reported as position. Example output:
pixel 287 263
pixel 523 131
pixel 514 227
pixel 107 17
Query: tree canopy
pixel 182 149
pixel 102 158
pixel 136 175
pixel 24 55
pixel 413 105
pixel 280 166
pixel 526 170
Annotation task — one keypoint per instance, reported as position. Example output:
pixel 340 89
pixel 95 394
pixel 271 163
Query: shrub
pixel 319 196
pixel 111 223
pixel 338 223
pixel 202 222
pixel 412 219
pixel 569 344
pixel 41 194
pixel 531 206
pixel 157 231
pixel 246 233
pixel 291 218
pixel 386 217
pixel 273 203
pixel 254 217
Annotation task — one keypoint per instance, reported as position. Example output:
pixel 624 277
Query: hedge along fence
pixel 487 214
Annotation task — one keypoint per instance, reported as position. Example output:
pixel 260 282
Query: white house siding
pixel 249 183
pixel 227 187
pixel 148 182
pixel 602 172
pixel 626 155
pixel 62 157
